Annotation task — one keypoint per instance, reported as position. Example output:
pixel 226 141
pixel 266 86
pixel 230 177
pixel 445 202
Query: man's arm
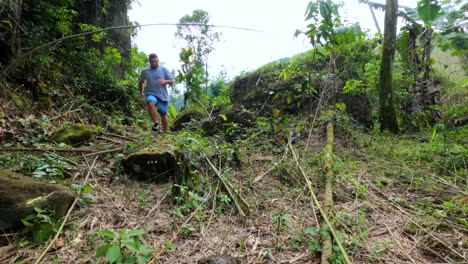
pixel 169 81
pixel 142 88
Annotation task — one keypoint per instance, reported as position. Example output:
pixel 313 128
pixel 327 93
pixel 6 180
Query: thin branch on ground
pixel 235 195
pixel 38 260
pixel 271 168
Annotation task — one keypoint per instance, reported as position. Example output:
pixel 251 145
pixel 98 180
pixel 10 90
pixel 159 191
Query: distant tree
pixel 200 39
pixel 387 113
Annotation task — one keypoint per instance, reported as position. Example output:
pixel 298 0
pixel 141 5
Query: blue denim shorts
pixel 162 105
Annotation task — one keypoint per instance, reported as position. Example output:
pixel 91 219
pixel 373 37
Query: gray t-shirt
pixel 151 76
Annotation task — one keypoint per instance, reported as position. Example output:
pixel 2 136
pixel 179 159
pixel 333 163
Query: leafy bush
pixel 42 225
pixel 123 246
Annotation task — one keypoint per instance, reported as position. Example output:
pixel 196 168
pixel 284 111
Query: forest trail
pixel 380 218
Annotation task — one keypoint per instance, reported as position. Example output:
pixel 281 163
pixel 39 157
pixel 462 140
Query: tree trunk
pixel 427 99
pixel 387 111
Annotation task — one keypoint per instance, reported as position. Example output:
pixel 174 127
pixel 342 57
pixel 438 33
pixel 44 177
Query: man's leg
pixel 162 109
pixel 152 112
pixel 164 123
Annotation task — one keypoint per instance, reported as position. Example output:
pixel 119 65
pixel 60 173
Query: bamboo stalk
pixel 324 216
pixel 328 196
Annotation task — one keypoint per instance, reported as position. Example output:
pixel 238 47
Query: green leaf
pixel 309 230
pixel 146 249
pixel 129 259
pixel 428 11
pixel 340 106
pixel 172 111
pixel 87 189
pixel 113 253
pixel 26 223
pixel 8 23
pixel 132 245
pixel 223 117
pixel 136 233
pixel 102 250
pixel 143 258
pixel 107 233
pixel 42 233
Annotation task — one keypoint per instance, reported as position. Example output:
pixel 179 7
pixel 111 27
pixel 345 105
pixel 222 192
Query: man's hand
pixel 161 81
pixel 142 96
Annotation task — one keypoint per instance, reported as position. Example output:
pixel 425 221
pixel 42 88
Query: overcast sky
pixel 238 50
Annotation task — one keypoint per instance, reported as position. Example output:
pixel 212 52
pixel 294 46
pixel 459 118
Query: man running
pixel 157 78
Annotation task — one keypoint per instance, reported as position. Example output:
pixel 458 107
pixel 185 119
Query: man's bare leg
pixel 164 123
pixel 152 112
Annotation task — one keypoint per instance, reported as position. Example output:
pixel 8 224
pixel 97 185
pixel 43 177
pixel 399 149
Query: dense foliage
pixel 54 48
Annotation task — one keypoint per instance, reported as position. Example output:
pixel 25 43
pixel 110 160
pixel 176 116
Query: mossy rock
pixel 19 194
pixel 159 163
pixel 185 117
pixel 75 134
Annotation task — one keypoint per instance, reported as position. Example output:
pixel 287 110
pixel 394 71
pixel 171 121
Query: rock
pixel 19 194
pixel 98 119
pixel 185 117
pixel 263 91
pixel 159 163
pixel 238 116
pixel 359 108
pixel 74 135
pixel 219 260
pixel 241 117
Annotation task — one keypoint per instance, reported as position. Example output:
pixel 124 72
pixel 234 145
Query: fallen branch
pixel 38 260
pixel 104 152
pixel 45 150
pixel 231 191
pixel 204 108
pixel 111 140
pixel 119 136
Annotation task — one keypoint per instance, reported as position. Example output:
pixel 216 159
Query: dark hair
pixel 152 56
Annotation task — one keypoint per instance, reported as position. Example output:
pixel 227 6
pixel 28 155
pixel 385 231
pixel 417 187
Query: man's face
pixel 154 62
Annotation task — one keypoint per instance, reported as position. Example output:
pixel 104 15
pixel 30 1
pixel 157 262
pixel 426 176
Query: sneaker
pixel 156 127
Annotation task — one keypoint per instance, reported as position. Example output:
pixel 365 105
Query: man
pixel 157 78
